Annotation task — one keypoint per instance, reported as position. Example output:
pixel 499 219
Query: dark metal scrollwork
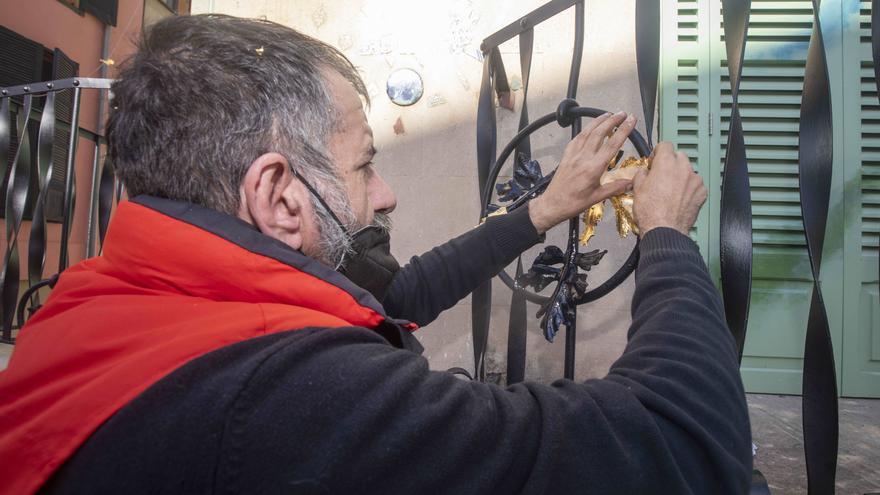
pixel 555 266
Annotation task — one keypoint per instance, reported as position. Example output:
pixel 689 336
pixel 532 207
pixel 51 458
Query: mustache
pixel 383 221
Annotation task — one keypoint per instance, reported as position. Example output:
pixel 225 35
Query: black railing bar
pixel 69 186
pixel 100 125
pixel 93 202
pixel 36 114
pixel 57 85
pixel 525 22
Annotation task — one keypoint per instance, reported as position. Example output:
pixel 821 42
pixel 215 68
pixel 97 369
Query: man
pixel 245 329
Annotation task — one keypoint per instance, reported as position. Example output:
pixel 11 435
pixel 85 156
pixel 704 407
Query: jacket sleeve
pixel 348 413
pixel 435 281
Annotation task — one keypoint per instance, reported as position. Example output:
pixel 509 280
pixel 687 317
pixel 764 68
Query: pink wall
pixel 80 37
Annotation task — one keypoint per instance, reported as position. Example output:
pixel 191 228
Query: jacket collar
pixel 175 246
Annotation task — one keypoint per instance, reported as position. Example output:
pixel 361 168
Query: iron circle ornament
pixel 568 111
pixel 404 87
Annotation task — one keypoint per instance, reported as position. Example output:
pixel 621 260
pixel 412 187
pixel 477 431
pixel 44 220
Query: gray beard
pixel 334 244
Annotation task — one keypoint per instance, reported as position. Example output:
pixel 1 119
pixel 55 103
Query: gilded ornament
pixel 622 203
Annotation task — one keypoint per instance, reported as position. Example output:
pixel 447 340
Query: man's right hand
pixel 670 194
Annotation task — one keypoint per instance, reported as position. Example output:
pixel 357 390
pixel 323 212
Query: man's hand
pixel 575 186
pixel 670 194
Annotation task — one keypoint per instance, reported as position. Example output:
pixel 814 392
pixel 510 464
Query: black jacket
pixel 342 411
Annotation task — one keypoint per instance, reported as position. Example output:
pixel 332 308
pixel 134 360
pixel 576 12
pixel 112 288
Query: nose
pixel 382 198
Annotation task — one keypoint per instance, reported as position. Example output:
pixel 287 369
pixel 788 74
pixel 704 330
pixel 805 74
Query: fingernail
pixel 607 114
pixel 618 114
pixel 631 118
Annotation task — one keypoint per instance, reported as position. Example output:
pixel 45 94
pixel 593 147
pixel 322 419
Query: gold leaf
pixel 622 203
pixel 591 220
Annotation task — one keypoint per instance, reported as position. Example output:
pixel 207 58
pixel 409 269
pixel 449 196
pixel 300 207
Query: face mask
pixel 371 266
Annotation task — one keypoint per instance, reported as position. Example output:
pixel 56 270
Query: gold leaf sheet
pixel 622 203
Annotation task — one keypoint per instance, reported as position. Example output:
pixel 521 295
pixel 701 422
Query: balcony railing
pixel 27 171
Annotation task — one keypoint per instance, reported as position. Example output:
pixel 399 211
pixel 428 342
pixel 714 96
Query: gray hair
pixel 205 95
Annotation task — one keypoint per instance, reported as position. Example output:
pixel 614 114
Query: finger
pixel 663 148
pixel 639 178
pixel 595 139
pixel 664 157
pixel 683 159
pixel 612 188
pixel 618 137
pixel 702 194
pixel 591 125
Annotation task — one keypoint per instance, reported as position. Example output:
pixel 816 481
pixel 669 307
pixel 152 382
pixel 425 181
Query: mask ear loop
pixel 326 207
pixel 317 196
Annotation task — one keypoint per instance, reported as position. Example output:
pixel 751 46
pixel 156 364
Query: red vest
pixel 163 293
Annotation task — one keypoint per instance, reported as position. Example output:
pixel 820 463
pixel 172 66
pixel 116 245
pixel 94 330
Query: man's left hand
pixel 575 186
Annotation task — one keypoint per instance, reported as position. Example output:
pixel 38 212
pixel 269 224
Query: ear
pixel 272 202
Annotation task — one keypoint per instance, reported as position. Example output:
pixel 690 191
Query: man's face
pixel 291 218
pixel 351 149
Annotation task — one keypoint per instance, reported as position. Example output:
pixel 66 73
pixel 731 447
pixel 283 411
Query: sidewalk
pixel 776 430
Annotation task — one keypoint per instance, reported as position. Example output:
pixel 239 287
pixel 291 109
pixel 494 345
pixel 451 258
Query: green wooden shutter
pixel 770 98
pixel 861 345
pixel 684 94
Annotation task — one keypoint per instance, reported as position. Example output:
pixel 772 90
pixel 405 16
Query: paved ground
pixel 776 429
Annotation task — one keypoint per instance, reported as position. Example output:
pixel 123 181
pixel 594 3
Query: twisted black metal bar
pixel 820 419
pixel 526 45
pixel 481 298
pixel 16 199
pixel 516 333
pixel 105 198
pixel 648 59
pixel 69 185
pixel 5 138
pixel 736 202
pixel 45 147
pixel 516 326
